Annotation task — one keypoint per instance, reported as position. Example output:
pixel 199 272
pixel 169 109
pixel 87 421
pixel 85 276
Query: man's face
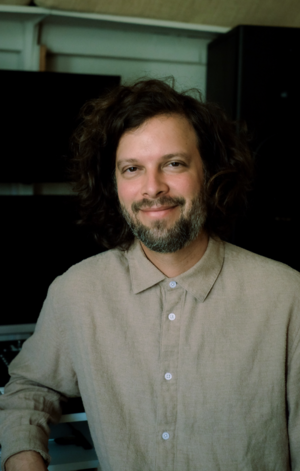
pixel 160 177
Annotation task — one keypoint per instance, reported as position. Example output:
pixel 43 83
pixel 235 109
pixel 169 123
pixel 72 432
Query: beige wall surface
pixel 214 12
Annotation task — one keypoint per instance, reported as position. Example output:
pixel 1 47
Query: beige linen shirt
pixel 196 373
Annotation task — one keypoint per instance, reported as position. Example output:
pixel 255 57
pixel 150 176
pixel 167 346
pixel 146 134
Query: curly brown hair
pixel 223 148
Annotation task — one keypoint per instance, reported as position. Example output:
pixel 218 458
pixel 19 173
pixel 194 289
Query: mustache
pixel 163 201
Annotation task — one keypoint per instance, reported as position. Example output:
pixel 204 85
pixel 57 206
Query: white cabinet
pixel 104 44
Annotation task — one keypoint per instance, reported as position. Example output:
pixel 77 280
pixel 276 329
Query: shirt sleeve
pixel 293 389
pixel 42 376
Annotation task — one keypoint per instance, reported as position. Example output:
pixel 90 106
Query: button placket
pixel 173 300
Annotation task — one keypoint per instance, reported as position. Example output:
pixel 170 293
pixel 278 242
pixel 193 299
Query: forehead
pixel 159 135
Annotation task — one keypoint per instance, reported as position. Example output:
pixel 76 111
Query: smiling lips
pixel 158 212
pixel 157 209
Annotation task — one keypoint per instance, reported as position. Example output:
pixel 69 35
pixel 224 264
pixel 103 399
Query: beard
pixel 160 238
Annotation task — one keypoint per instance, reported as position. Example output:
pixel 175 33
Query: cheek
pixel 188 187
pixel 126 192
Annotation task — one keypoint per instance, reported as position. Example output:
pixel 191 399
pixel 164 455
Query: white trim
pixel 23 9
pixel 142 21
pixel 181 26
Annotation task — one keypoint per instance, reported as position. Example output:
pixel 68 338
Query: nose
pixel 154 185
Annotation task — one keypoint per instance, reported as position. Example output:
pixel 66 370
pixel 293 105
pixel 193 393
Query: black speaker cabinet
pixel 253 72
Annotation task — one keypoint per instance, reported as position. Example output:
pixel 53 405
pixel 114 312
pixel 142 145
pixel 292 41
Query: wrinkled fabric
pixel 231 400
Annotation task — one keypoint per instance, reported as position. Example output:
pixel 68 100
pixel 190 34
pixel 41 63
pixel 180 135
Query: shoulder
pixel 88 275
pixel 257 270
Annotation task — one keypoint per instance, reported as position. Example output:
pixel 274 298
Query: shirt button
pixel 165 436
pixel 172 284
pixel 168 376
pixel 171 316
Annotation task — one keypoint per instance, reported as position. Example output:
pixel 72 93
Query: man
pixel 184 348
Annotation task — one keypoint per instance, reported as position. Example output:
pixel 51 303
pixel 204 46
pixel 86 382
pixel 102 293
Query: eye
pixel 175 164
pixel 130 170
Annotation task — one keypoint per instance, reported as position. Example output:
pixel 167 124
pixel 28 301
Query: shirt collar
pixel 143 273
pixel 198 280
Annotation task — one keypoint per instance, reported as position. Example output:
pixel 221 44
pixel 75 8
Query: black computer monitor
pixel 38 112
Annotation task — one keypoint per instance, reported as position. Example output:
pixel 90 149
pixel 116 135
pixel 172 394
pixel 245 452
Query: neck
pixel 173 264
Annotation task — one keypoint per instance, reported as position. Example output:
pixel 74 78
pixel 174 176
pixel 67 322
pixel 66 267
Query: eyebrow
pixel 164 157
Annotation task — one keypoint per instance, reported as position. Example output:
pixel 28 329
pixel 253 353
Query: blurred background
pixel 57 54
